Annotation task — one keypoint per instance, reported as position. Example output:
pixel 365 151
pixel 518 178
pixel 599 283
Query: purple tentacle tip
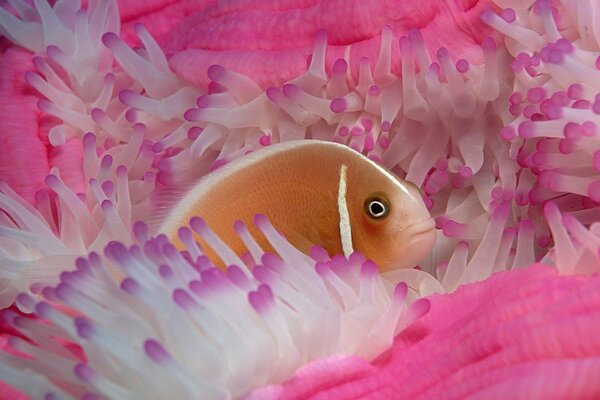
pixel 110 39
pixel 261 299
pixel 338 105
pixel 369 269
pixel 156 351
pixel 400 291
pixel 198 225
pixel 84 327
pixel 216 72
pixel 130 285
pixel 84 372
pixel 183 299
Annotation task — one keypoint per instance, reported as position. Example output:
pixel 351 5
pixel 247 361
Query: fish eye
pixel 377 207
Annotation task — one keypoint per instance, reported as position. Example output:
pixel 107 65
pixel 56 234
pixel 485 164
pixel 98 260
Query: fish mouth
pixel 421 238
pixel 421 227
pixel 416 241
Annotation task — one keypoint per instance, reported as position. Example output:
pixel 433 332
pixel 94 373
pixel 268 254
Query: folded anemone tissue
pixel 301 199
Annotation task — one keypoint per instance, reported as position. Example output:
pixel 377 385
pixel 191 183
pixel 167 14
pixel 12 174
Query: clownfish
pixel 314 193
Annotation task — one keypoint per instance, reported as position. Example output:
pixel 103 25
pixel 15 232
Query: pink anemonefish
pixel 314 193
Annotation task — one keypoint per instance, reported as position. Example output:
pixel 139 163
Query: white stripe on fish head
pixel 345 227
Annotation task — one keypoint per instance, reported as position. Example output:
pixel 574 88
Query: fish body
pixel 314 193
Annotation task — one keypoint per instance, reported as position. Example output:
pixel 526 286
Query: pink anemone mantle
pixel 111 110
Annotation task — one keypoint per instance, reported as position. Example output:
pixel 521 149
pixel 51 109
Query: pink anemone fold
pixel 482 341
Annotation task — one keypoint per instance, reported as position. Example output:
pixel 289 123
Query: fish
pixel 314 193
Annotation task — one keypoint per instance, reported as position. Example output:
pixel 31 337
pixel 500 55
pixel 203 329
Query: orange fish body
pixel 314 193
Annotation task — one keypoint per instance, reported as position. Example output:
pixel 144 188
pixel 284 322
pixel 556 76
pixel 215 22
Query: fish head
pixel 390 223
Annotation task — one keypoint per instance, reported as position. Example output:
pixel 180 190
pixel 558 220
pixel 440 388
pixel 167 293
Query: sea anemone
pixel 205 332
pixel 495 121
pixel 516 335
